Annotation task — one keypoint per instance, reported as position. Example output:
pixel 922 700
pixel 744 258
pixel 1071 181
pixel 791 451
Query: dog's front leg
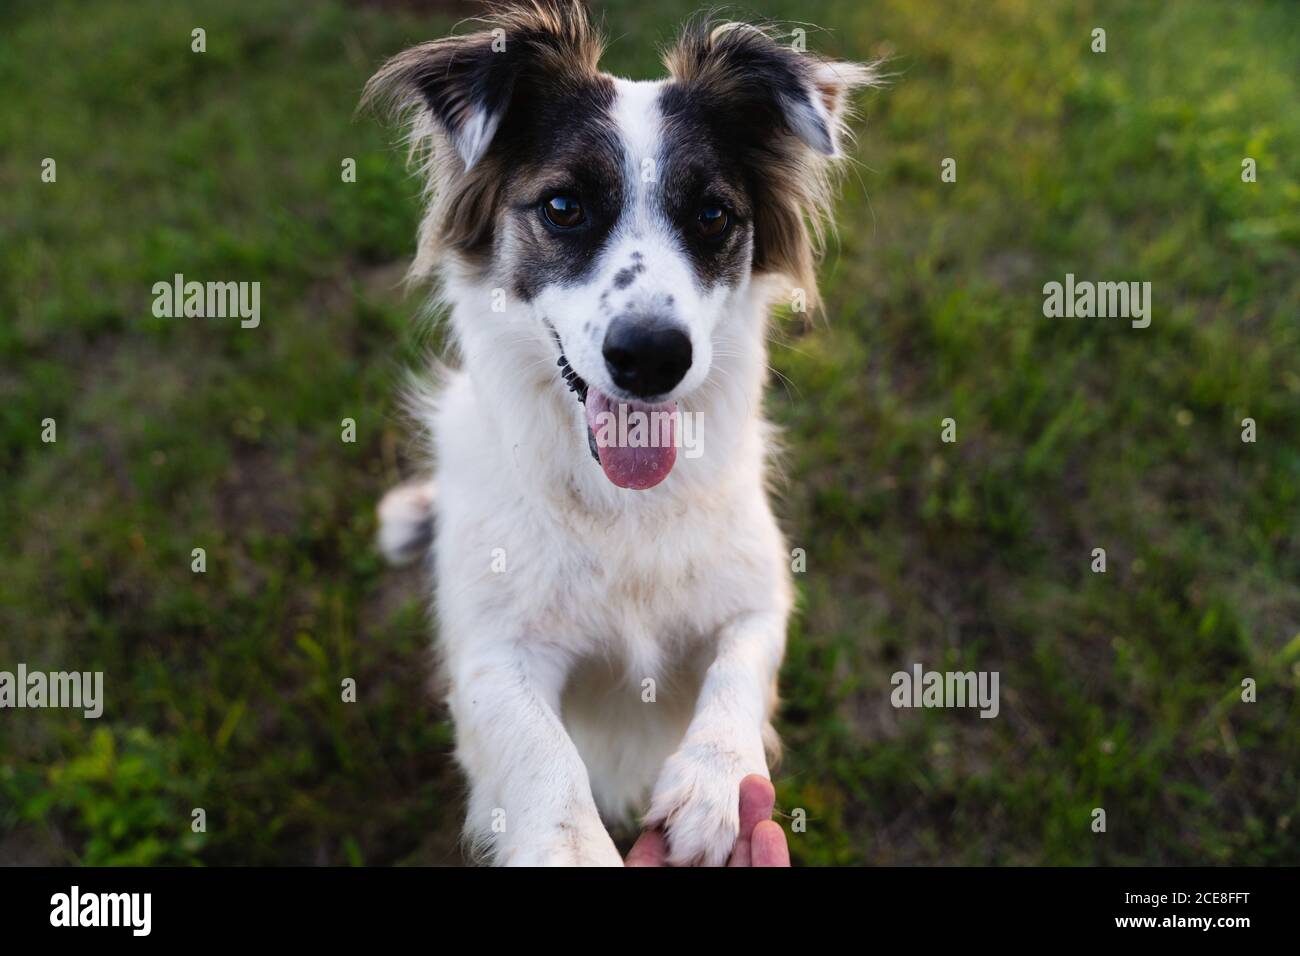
pixel 530 801
pixel 697 795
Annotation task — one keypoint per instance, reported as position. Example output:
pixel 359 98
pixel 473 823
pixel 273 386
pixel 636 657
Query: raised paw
pixel 564 845
pixel 696 803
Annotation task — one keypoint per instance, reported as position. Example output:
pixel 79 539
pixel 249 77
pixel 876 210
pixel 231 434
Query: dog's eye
pixel 712 222
pixel 563 212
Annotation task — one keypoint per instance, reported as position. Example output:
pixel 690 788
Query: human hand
pixel 761 841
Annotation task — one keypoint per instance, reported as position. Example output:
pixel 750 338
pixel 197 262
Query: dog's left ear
pixel 766 86
pixel 784 113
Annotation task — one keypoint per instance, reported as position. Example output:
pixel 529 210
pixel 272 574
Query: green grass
pixel 1118 691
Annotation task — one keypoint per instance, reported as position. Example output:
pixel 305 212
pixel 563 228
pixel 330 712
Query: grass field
pixel 1119 690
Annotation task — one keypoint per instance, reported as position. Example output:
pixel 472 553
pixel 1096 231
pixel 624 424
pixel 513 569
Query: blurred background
pixel 1118 690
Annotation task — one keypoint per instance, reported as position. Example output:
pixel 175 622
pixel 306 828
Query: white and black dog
pixel 610 630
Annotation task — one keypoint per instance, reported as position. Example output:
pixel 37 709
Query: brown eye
pixel 712 222
pixel 563 212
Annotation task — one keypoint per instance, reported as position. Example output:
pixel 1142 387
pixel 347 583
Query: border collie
pixel 612 615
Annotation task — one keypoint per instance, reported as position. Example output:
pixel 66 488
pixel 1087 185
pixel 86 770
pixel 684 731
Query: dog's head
pixel 625 217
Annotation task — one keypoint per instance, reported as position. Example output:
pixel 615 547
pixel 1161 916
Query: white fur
pixel 686 584
pixel 472 142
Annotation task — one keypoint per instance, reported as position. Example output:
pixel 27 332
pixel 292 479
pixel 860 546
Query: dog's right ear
pixel 466 83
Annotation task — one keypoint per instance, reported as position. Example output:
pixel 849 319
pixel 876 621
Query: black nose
pixel 646 359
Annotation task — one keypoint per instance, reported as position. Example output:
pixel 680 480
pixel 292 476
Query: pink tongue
pixel 636 442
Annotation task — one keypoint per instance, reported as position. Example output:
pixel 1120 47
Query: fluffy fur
pixel 610 652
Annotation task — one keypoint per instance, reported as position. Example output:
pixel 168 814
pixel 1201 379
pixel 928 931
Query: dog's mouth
pixel 635 443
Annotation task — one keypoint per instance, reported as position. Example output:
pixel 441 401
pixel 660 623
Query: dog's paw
pixel 566 846
pixel 697 802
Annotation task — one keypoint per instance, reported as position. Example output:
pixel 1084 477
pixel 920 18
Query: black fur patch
pixel 736 89
pixel 559 144
pixel 702 162
pixel 625 277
